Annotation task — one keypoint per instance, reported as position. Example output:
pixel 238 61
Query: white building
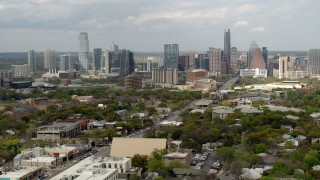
pixel 65 62
pixel 49 59
pixel 83 51
pixel 21 70
pixel 253 73
pixel 89 169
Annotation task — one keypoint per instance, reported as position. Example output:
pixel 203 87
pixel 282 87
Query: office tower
pixel 121 62
pixel 83 52
pixel 227 48
pixel 96 57
pixel 314 61
pixel 283 66
pixel 21 70
pixel 265 58
pixel 257 60
pixel 114 47
pixel 171 56
pixel 183 63
pixel 32 61
pixel 215 61
pixel 244 59
pixel 106 62
pixel 234 59
pixel 168 76
pixel 65 62
pixel 252 48
pixel 49 59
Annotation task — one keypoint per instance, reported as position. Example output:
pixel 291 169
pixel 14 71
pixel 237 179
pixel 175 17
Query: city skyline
pixel 146 26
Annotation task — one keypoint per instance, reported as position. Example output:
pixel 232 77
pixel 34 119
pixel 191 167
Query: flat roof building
pixel 128 147
pixel 58 130
pixel 89 169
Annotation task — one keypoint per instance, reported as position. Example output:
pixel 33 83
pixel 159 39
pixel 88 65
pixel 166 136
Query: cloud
pixel 241 23
pixel 258 29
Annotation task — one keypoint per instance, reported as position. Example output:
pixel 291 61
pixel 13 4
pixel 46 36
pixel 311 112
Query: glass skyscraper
pixel 314 61
pixel 171 56
pixel 227 47
pixel 83 52
pixel 65 62
pixel 96 57
pixel 49 59
pixel 32 61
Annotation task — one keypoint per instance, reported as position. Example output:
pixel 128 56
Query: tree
pixel 226 153
pixel 155 160
pixel 260 148
pixel 311 160
pixel 140 161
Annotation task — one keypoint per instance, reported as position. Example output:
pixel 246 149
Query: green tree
pixel 226 153
pixel 311 160
pixel 140 161
pixel 155 160
pixel 260 148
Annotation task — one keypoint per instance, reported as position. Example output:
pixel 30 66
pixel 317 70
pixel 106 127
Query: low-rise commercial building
pixel 89 169
pixel 58 130
pixel 183 158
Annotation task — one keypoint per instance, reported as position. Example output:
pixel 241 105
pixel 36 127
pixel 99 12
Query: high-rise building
pixel 32 61
pixel 227 48
pixel 121 62
pixel 257 60
pixel 234 59
pixel 171 56
pixel 168 76
pixel 105 61
pixel 266 60
pixel 252 48
pixel 21 70
pixel 83 52
pixel 215 61
pixel 244 59
pixel 49 59
pixel 314 61
pixel 96 57
pixel 65 62
pixel 283 66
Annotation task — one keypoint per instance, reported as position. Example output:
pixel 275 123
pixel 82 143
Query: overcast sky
pixel 145 25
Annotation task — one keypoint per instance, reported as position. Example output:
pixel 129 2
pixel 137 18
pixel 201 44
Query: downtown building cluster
pixel 168 68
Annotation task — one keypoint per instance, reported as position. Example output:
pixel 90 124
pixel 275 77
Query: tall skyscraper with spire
pixel 83 52
pixel 227 48
pixel 32 61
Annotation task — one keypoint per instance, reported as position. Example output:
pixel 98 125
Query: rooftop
pixel 128 147
pixel 176 155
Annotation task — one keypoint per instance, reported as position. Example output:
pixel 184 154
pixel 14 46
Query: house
pixel 183 158
pixel 198 111
pixel 248 109
pixel 316 118
pixel 128 147
pixel 84 99
pixel 138 115
pixel 222 111
pixel 179 172
pixel 167 124
pixel 203 104
pixel 20 111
